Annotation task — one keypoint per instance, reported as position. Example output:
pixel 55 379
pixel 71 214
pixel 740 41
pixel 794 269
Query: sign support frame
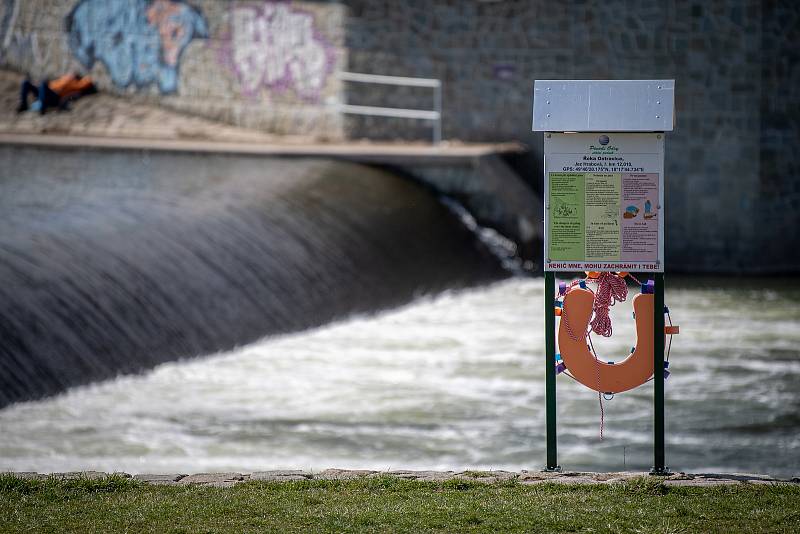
pixel 550 372
pixel 659 468
pixel 659 463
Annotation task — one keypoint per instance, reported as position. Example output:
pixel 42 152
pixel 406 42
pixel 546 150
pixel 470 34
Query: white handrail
pixel 389 80
pixel 390 112
pixel 434 115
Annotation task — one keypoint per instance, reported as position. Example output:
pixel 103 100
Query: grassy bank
pixel 390 504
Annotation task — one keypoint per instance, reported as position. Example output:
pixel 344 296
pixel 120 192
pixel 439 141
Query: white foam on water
pixel 452 382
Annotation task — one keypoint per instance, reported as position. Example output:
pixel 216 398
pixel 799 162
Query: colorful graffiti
pixel 278 47
pixel 140 42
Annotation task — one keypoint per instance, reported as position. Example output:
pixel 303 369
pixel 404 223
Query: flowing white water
pixel 452 382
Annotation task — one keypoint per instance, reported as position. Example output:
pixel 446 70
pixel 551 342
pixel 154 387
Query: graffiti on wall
pixel 140 42
pixel 23 49
pixel 8 12
pixel 279 47
pixel 30 52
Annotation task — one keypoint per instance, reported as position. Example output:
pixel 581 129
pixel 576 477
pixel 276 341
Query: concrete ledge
pixel 382 153
pixel 486 477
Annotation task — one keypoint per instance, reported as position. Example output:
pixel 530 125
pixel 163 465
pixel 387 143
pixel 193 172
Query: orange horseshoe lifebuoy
pixel 633 371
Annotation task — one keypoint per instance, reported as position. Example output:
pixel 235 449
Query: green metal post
pixel 659 467
pixel 550 369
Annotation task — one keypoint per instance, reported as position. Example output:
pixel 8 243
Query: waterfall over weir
pixel 115 261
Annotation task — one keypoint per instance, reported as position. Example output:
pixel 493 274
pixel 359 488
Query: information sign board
pixel 604 202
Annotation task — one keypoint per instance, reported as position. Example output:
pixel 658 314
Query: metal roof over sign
pixel 603 105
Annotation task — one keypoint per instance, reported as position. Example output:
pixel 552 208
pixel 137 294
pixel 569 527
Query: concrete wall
pixel 732 177
pixel 259 64
pixel 732 187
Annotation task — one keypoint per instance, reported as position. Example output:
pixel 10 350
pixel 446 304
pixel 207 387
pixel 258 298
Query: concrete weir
pixel 121 254
pixel 476 175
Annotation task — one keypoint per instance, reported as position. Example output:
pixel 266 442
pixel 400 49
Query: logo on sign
pixel 603 147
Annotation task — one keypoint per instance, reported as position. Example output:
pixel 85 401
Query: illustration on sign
pixel 604 198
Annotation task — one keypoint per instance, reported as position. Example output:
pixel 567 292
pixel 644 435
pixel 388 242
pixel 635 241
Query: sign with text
pixel 604 202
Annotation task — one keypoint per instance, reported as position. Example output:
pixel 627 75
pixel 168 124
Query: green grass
pixel 391 504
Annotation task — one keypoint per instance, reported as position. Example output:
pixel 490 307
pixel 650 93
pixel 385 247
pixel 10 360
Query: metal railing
pixel 434 115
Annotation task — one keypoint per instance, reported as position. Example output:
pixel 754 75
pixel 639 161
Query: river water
pixel 450 382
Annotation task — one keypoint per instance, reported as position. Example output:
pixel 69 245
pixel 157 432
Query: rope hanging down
pixel 611 289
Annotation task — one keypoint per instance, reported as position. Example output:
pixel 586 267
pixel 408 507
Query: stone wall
pixel 733 192
pixel 259 64
pixel 732 187
pixel 777 202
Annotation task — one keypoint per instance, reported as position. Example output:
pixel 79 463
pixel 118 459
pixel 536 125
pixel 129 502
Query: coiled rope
pixel 611 289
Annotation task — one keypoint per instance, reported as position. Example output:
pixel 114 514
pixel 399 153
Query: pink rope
pixel 599 393
pixel 610 290
pixel 602 414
